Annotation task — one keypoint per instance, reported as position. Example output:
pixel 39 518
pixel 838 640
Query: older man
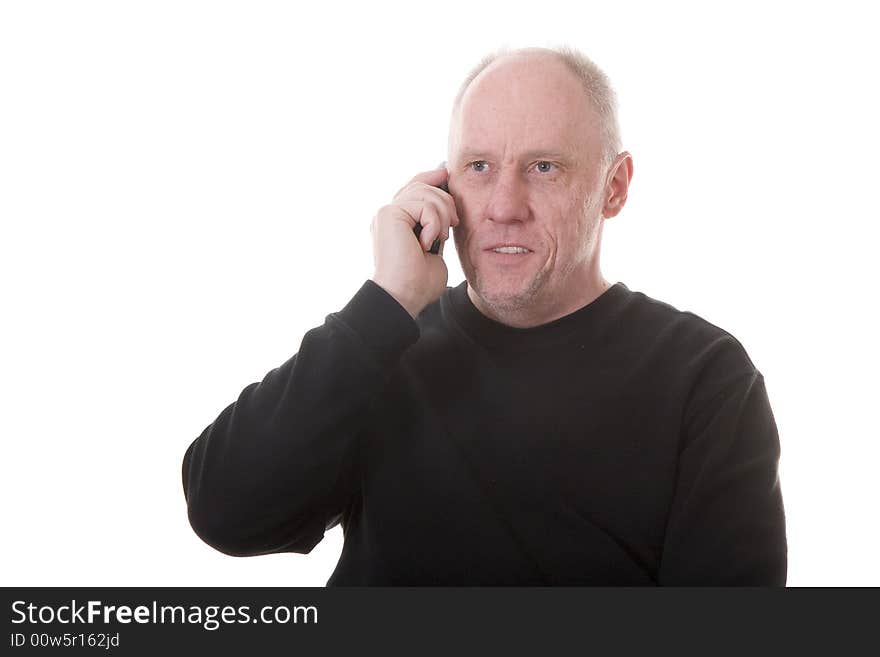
pixel 534 425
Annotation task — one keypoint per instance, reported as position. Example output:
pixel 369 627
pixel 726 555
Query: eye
pixel 478 166
pixel 544 166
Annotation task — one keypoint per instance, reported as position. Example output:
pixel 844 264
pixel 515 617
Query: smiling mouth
pixel 512 250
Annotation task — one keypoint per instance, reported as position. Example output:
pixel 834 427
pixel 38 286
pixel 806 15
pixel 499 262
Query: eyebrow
pixel 536 153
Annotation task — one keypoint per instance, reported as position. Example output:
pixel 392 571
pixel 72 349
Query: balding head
pixel 592 81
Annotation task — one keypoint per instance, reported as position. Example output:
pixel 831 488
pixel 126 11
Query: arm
pixel 727 521
pixel 277 466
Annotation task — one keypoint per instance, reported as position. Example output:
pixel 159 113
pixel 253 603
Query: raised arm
pixel 278 465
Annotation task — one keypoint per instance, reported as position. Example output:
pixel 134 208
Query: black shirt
pixel 628 443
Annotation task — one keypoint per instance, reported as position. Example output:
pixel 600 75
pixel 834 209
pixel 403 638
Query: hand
pixel 403 265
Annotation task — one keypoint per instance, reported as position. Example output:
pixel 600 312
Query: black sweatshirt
pixel 628 443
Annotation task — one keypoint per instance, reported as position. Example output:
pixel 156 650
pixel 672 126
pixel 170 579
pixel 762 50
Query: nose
pixel 508 199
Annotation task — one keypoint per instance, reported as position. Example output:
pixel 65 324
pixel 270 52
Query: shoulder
pixel 684 337
pixel 694 361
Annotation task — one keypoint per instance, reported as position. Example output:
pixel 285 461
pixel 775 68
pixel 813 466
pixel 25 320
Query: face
pixel 526 173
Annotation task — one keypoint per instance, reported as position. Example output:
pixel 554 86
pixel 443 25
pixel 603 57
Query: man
pixel 534 425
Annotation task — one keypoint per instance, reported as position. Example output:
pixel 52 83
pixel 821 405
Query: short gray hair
pixel 593 79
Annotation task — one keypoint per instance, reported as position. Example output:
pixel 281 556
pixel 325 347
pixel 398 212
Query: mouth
pixel 508 249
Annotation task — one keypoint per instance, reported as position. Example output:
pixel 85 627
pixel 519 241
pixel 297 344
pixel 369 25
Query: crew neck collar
pixel 497 336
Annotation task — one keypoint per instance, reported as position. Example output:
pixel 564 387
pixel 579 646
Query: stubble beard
pixel 505 302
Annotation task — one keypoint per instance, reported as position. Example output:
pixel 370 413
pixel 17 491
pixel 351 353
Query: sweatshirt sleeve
pixel 727 522
pixel 277 466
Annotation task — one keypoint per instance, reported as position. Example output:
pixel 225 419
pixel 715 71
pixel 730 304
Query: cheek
pixel 570 231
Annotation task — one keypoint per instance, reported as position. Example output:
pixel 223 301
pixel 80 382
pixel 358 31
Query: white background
pixel 186 188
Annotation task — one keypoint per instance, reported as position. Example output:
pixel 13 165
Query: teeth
pixel 510 249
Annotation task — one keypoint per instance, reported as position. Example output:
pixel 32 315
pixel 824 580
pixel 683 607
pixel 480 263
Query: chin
pixel 507 295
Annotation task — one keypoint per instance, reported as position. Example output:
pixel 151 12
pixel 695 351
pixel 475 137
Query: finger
pixel 434 178
pixel 416 210
pixel 421 192
pixel 432 225
pixel 442 195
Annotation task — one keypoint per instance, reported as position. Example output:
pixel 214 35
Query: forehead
pixel 533 103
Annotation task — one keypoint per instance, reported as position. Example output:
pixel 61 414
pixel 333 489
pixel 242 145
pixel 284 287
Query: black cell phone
pixel 417 229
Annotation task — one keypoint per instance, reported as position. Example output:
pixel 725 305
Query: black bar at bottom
pixel 413 621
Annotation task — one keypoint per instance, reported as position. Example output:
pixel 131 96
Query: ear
pixel 617 184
